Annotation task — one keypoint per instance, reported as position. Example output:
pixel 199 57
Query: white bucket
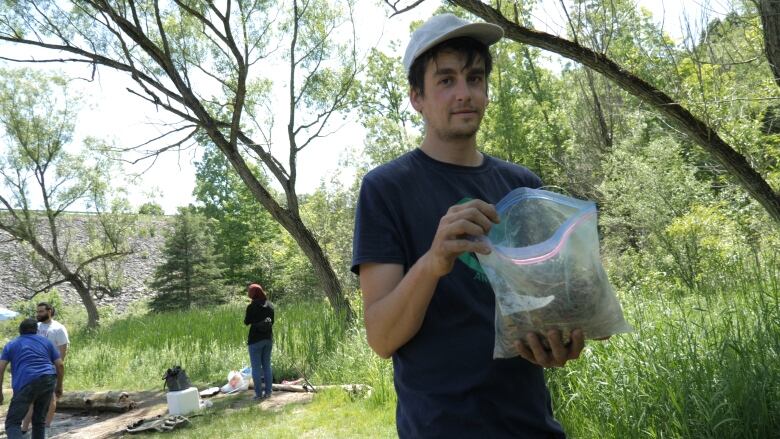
pixel 183 401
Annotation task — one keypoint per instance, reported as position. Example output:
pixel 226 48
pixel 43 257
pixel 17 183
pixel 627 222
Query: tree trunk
pixel 327 277
pixel 93 318
pixel 698 131
pixel 605 133
pixel 116 402
pixel 770 22
pixel 302 235
pixel 355 389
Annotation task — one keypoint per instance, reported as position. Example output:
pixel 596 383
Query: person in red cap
pixel 260 318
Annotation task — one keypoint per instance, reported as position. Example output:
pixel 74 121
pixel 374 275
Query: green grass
pixel 133 353
pixel 331 414
pixel 701 364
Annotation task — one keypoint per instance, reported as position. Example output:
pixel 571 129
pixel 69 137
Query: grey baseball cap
pixel 446 27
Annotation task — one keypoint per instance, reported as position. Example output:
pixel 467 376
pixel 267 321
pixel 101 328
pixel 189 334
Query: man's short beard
pixel 457 135
pixel 42 319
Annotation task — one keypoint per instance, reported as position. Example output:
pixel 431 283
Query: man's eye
pixel 446 81
pixel 475 79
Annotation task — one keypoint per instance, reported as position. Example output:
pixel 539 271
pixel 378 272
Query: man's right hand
pixel 471 219
pixel 58 391
pixel 395 302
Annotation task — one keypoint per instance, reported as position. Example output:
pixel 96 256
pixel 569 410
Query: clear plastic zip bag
pixel 546 271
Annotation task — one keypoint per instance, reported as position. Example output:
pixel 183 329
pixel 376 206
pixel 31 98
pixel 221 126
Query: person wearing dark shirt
pixel 427 302
pixel 36 374
pixel 260 318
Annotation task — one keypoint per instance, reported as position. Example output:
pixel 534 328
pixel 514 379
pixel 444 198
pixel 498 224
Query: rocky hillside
pixel 147 242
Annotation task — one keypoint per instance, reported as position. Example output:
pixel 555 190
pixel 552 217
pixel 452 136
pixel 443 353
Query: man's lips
pixel 465 112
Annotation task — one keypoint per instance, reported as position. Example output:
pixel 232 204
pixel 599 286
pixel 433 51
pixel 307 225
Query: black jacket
pixel 260 317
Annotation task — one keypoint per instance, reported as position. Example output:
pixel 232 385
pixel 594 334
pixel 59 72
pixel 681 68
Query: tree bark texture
pixel 115 402
pixel 734 162
pixel 93 318
pixel 770 22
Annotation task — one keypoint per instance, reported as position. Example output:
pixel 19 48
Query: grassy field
pixel 133 353
pixel 332 414
pixel 701 364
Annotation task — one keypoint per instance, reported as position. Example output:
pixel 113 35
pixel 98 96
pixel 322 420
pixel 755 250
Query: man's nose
pixel 462 91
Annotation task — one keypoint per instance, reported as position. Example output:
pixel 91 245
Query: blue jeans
pixel 260 357
pixel 37 392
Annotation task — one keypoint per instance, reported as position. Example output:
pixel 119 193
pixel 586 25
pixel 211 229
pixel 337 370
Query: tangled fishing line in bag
pixel 546 272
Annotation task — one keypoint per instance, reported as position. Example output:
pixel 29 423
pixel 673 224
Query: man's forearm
pixel 60 375
pixel 395 318
pixel 3 366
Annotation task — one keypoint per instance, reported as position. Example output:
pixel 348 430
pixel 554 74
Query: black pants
pixel 37 392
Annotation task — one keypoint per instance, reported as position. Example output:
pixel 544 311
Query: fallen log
pixel 115 402
pixel 351 388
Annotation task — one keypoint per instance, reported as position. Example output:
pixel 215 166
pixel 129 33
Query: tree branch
pixel 697 130
pixel 396 11
pixel 46 288
pixel 96 258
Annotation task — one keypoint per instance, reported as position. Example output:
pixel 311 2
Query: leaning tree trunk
pixel 322 268
pixel 292 222
pixel 93 318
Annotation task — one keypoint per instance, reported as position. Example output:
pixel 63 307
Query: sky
pixel 170 180
pixel 117 116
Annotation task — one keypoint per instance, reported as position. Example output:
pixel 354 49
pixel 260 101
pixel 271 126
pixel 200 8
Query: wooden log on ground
pixel 115 402
pixel 351 388
pixel 291 388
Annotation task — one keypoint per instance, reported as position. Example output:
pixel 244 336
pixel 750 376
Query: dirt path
pixel 150 405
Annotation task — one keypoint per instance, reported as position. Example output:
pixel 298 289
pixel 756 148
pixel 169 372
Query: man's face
pixel 455 96
pixel 42 314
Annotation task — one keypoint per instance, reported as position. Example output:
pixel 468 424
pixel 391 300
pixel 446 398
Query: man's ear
pixel 416 98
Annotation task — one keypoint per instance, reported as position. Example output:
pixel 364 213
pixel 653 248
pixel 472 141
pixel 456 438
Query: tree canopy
pixel 42 177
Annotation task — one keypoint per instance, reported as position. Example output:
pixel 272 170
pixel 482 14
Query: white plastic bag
pixel 546 272
pixel 237 382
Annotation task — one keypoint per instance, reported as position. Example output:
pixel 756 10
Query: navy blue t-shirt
pixel 446 379
pixel 31 356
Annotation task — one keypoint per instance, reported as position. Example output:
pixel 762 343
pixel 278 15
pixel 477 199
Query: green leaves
pixel 385 110
pixel 239 218
pixel 43 175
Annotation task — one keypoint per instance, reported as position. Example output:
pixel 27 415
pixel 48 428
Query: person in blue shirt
pixel 36 374
pixel 427 302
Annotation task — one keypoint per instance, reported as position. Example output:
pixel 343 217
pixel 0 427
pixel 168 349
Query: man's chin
pixel 460 135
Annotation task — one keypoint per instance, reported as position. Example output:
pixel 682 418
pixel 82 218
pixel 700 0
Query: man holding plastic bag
pixel 419 221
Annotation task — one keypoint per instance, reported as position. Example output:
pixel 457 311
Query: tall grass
pixel 133 353
pixel 701 364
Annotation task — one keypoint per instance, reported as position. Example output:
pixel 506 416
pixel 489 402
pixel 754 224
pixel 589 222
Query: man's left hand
pixel 557 354
pixel 2 398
